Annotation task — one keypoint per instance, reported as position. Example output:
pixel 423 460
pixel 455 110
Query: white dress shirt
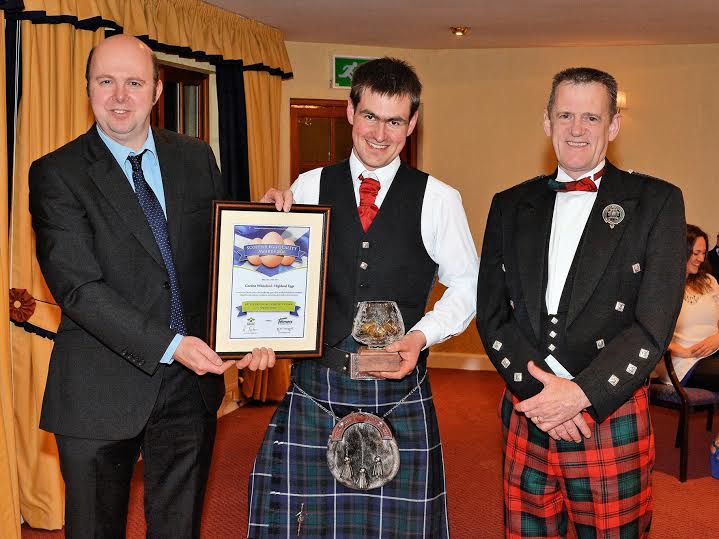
pixel 445 235
pixel 571 212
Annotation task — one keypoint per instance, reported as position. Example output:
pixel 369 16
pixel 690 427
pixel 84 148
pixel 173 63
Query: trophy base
pixel 368 360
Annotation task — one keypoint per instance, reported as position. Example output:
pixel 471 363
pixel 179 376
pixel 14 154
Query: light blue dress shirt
pixel 153 177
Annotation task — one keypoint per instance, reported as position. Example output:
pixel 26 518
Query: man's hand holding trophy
pixel 388 353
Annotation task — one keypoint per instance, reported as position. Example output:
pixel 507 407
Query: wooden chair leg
pixel 684 448
pixel 710 418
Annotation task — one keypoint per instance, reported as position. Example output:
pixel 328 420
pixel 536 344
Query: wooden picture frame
pixel 268 271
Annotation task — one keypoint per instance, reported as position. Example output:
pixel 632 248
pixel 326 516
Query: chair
pixel 686 400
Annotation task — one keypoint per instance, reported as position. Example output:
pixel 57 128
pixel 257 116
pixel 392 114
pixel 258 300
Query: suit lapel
pixel 534 224
pixel 112 183
pixel 173 185
pixel 600 239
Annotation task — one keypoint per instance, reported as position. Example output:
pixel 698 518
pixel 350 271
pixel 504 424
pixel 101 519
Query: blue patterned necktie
pixel 158 224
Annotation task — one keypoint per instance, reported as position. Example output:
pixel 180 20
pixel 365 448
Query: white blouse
pixel 698 319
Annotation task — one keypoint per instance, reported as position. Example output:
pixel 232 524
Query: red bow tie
pixel 583 184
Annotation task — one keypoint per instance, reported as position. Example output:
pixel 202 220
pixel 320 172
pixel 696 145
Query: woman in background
pixel 695 345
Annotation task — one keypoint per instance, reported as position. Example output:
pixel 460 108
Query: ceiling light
pixel 459 30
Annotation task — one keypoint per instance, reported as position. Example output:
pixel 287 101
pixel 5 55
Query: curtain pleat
pixel 263 94
pixel 54 110
pixel 9 493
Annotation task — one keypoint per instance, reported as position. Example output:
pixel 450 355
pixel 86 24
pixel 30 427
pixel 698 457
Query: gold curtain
pixel 263 94
pixel 186 23
pixel 54 110
pixel 10 506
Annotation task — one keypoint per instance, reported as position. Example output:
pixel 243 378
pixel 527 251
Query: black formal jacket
pixel 626 293
pixel 104 269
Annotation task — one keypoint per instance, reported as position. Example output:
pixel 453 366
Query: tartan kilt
pixel 602 484
pixel 291 466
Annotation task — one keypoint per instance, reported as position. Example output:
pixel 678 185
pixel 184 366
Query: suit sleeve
pixel 628 359
pixel 507 346
pixel 64 247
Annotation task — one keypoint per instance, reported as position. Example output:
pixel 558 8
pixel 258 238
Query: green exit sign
pixel 343 68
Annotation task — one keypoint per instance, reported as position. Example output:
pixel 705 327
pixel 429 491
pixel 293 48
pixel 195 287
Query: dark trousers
pixel 176 446
pixel 705 374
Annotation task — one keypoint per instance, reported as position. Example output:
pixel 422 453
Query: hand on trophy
pixel 377 325
pixel 408 348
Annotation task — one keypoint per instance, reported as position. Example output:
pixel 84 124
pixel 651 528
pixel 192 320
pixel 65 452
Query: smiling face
pixel 122 91
pixel 580 126
pixel 697 256
pixel 380 127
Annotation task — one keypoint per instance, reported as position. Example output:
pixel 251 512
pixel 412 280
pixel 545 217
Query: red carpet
pixel 467 406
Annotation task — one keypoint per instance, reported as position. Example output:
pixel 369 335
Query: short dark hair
pixel 389 77
pixel 698 281
pixel 155 69
pixel 585 75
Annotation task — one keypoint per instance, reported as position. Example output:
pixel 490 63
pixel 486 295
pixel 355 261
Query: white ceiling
pixel 494 23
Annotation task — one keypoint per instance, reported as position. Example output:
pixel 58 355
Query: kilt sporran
pixel 362 453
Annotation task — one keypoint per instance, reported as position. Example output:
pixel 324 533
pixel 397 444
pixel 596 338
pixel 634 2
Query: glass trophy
pixel 377 324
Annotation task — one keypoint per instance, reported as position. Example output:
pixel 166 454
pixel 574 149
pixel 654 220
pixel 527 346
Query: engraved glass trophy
pixel 377 324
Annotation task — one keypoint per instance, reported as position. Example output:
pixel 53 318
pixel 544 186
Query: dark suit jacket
pixel 513 268
pixel 104 268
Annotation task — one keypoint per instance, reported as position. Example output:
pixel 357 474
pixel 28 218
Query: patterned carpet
pixel 467 407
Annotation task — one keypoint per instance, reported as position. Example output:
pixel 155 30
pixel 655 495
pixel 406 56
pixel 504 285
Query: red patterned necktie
pixel 583 184
pixel 368 194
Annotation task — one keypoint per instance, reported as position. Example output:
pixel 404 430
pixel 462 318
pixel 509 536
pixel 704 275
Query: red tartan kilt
pixel 602 484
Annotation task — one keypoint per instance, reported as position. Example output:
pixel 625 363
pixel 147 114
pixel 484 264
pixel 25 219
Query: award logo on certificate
pixel 267 279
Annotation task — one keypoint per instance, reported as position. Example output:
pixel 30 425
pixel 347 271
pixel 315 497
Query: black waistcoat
pixel 554 326
pixel 389 262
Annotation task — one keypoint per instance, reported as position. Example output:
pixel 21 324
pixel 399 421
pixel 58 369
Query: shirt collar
pixel 384 175
pixel 564 177
pixel 120 152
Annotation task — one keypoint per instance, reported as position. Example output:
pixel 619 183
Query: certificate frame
pixel 255 301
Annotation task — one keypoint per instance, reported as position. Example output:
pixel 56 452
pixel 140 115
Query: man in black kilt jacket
pixel 393 229
pixel 580 286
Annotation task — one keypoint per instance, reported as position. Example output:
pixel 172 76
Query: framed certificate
pixel 267 279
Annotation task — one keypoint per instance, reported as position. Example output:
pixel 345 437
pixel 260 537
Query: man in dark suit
pixel 713 256
pixel 122 220
pixel 580 284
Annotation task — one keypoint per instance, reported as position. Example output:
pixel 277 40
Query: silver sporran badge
pixel 362 454
pixel 613 215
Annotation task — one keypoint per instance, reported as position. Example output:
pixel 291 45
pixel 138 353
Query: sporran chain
pixel 331 414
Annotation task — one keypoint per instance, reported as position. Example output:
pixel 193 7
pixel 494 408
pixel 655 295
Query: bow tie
pixel 582 184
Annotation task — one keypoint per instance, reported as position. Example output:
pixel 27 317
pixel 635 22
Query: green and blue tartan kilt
pixel 291 466
pixel 603 484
